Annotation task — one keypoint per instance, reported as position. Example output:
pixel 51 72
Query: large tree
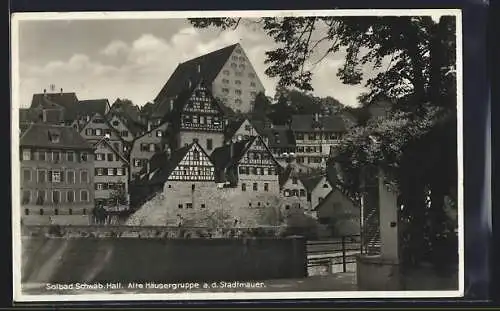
pixel 413 58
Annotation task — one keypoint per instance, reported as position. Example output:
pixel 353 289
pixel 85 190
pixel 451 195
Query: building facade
pixel 110 176
pixel 227 72
pixel 340 213
pixel 145 146
pixel 197 116
pixel 57 173
pixel 294 193
pixel 315 136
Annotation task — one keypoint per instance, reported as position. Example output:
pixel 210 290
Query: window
pixel 202 205
pixel 70 196
pixel 209 144
pixel 237 82
pixel 120 171
pixel 26 197
pixel 225 90
pixel 266 187
pixel 71 177
pixel 226 72
pixel 152 147
pixel 225 81
pixel 115 123
pixel 41 211
pixel 55 176
pixel 255 186
pixel 26 175
pixel 71 156
pixel 110 157
pixel 302 193
pixel 42 176
pixel 320 199
pixel 84 177
pixel 98 132
pixel 249 204
pixel 26 155
pixel 233 65
pixel 237 101
pixel 189 205
pixel 202 120
pixel 294 180
pixel 70 211
pixel 110 172
pixel 137 163
pixel 252 84
pixel 40 197
pixel 287 207
pixel 89 132
pixel 26 211
pixel 41 155
pixel 253 94
pixel 56 196
pixel 84 156
pixel 124 133
pixel 193 186
pixel 235 57
pixel 242 66
pixel 237 92
pixel 99 186
pixel 159 134
pixel 84 196
pixel 243 187
pixel 99 156
pixel 196 155
pixel 180 206
pixel 325 186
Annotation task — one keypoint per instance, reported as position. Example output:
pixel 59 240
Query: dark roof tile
pixel 209 64
pixel 307 123
pixel 39 135
pixel 91 106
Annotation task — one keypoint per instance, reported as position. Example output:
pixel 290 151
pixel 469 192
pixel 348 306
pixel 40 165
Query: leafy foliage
pixel 415 65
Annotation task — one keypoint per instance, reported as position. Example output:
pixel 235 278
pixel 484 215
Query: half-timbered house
pixel 197 116
pixel 98 127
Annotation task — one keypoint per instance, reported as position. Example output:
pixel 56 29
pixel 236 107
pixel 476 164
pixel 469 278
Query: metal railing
pixel 340 251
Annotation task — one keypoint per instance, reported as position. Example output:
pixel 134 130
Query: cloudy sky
pixel 134 58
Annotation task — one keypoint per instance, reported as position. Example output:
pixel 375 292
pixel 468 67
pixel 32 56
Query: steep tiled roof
pixel 210 66
pixel 68 101
pixel 104 140
pixel 92 106
pixel 280 137
pixel 39 135
pixel 28 115
pixel 306 123
pixel 222 158
pixel 310 182
pixel 232 127
pixel 285 175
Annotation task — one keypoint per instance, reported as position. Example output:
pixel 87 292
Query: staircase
pixel 371 242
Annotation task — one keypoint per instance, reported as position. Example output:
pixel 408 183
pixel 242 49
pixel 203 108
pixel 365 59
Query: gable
pixel 105 145
pixel 98 127
pixel 258 153
pixel 195 165
pixel 239 57
pixel 201 100
pixel 245 131
pixel 320 186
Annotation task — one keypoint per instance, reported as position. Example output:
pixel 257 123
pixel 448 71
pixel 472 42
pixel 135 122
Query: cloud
pixel 147 62
pixel 115 48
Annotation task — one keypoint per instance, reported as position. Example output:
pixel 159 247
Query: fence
pixel 118 231
pixel 341 251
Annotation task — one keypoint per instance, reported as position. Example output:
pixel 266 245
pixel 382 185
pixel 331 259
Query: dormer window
pixel 54 137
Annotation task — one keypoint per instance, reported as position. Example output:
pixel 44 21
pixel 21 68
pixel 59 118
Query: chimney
pixel 316 117
pixel 44 91
pixel 171 106
pixel 199 68
pixel 61 90
pixel 231 150
pixel 148 167
pixel 189 83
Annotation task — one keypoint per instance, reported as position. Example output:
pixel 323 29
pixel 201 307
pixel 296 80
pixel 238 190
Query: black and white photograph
pixel 237 155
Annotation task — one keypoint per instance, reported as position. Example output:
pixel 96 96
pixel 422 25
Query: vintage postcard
pixel 237 155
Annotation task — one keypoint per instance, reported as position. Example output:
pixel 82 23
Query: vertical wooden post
pixel 344 265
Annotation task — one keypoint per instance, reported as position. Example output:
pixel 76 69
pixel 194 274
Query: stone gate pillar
pixel 380 271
